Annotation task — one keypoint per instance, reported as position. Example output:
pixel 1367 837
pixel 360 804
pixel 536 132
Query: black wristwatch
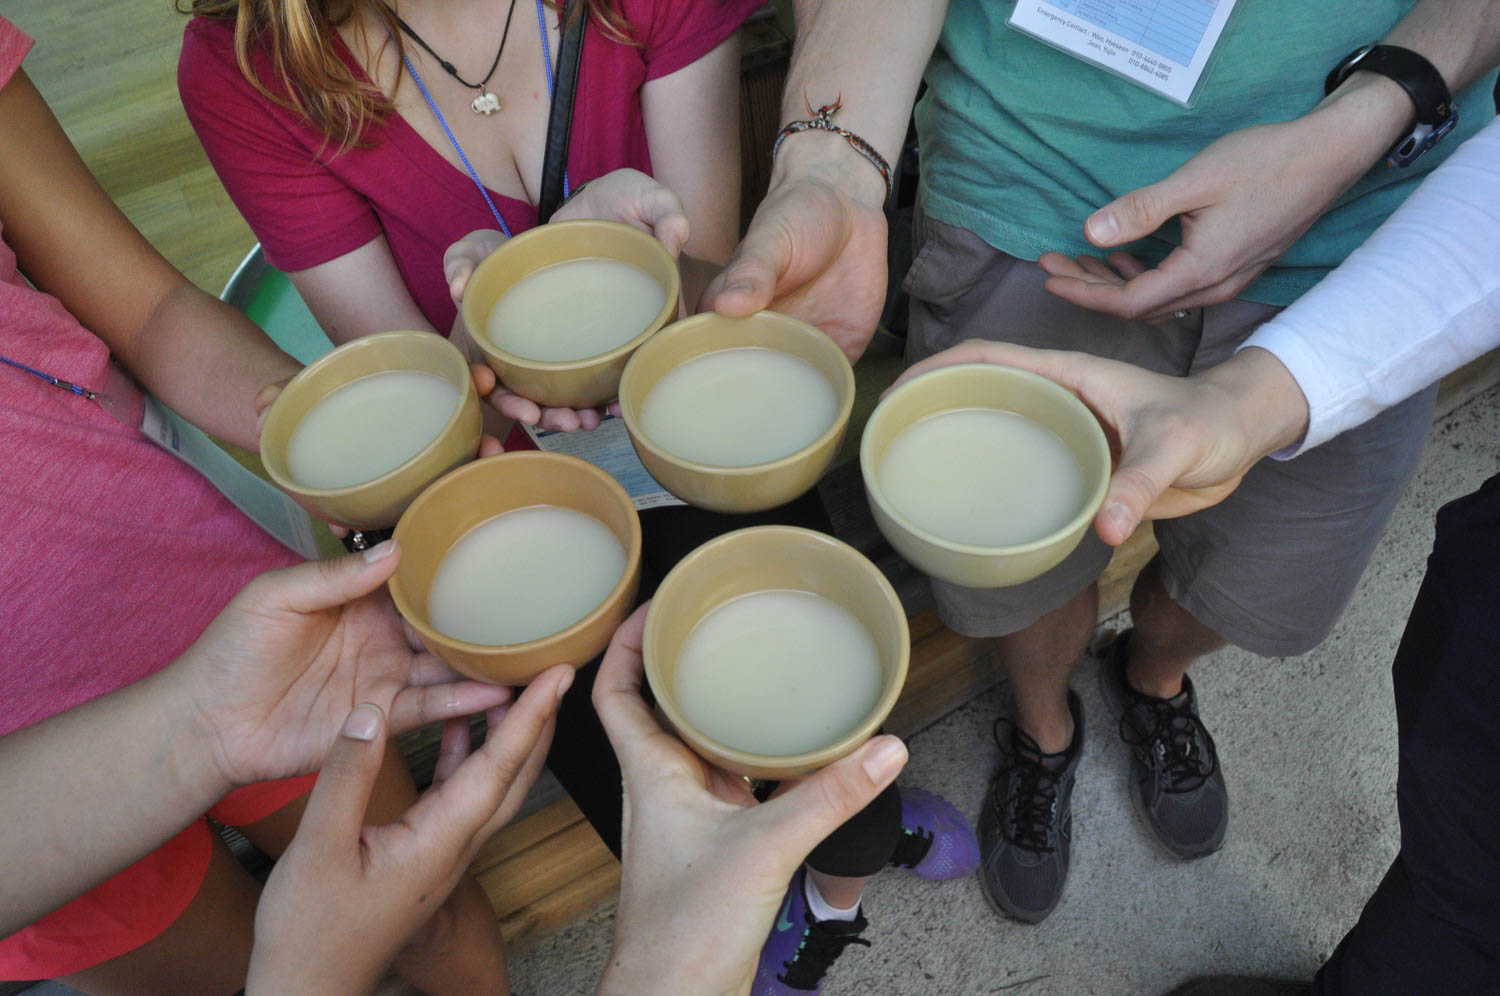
pixel 1437 114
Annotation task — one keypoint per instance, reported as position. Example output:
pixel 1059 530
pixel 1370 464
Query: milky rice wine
pixel 368 427
pixel 738 407
pixel 778 673
pixel 523 575
pixel 575 310
pixel 982 477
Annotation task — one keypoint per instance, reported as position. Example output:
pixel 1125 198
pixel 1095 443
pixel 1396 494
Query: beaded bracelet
pixel 822 120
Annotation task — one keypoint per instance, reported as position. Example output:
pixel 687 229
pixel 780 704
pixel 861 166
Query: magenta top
pixel 308 206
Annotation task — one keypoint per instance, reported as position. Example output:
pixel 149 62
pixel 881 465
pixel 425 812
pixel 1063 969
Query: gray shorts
pixel 1270 568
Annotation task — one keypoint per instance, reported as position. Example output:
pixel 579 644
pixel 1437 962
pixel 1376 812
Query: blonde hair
pixel 298 37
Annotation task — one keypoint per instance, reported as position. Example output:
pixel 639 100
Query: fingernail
pixel 363 723
pixel 738 288
pixel 260 420
pixel 380 551
pixel 563 685
pixel 885 759
pixel 1102 227
pixel 1118 516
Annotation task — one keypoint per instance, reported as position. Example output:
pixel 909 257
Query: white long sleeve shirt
pixel 1418 300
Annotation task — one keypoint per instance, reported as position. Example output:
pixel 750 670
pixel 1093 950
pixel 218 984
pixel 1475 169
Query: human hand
pixel 345 897
pixel 815 250
pixel 705 866
pixel 1242 202
pixel 1180 443
pixel 269 682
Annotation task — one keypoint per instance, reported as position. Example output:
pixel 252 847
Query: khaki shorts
pixel 1269 569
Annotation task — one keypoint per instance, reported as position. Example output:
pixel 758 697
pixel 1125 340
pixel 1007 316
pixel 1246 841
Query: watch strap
pixel 1418 77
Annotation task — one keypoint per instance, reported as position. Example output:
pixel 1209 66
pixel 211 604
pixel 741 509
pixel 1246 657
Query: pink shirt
pixel 307 208
pixel 115 554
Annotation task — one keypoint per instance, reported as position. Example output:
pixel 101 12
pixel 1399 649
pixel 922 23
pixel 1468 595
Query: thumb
pixel 327 584
pixel 810 811
pixel 264 399
pixel 335 812
pixel 1140 212
pixel 748 282
pixel 1136 484
pixel 662 211
pixel 461 257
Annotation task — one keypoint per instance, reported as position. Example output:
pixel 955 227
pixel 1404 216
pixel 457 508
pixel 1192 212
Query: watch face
pixel 1423 137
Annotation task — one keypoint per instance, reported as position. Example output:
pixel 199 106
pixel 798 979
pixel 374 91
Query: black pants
pixel 581 758
pixel 1433 924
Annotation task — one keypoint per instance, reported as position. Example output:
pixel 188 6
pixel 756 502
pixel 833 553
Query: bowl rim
pixel 426 630
pixel 287 483
pixel 693 326
pixel 866 728
pixel 481 338
pixel 1093 498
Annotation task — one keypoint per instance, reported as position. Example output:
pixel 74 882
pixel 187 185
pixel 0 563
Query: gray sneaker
pixel 1176 783
pixel 1026 829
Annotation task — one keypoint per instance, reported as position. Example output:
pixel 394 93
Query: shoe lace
pixel 1174 741
pixel 1029 809
pixel 912 847
pixel 821 947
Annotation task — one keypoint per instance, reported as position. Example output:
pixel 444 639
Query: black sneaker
pixel 1026 828
pixel 1176 783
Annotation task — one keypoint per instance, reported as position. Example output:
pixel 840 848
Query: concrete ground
pixel 1309 750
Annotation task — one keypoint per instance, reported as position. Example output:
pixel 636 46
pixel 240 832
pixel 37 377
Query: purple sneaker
pixel 800 949
pixel 937 843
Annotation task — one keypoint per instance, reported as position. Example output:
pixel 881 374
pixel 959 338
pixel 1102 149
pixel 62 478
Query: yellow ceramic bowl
pixel 484 489
pixel 377 503
pixel 758 486
pixel 984 385
pixel 584 383
pixel 772 558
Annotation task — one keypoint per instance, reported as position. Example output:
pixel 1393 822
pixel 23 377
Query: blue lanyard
pixel 68 386
pixel 546 61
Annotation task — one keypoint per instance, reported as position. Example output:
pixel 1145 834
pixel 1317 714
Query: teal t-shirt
pixel 1021 142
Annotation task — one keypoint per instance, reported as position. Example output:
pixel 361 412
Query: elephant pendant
pixel 486 103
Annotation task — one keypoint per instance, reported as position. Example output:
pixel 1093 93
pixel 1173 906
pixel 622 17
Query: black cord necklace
pixel 486 103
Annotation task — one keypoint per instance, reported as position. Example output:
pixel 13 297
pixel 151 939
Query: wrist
pixel 822 155
pixel 197 752
pixel 1264 399
pixel 1363 118
pixel 660 946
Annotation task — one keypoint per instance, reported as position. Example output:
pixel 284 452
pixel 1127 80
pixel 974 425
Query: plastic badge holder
pixel 1165 46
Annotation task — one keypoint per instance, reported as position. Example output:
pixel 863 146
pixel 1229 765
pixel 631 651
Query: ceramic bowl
pixel 379 502
pixel 758 486
pixel 984 385
pixel 583 383
pixel 769 558
pixel 480 491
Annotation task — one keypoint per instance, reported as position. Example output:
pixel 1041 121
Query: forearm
pixel 1461 38
pixel 871 54
pixel 1418 300
pixel 1365 116
pixel 91 790
pixel 208 362
pixel 1361 120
